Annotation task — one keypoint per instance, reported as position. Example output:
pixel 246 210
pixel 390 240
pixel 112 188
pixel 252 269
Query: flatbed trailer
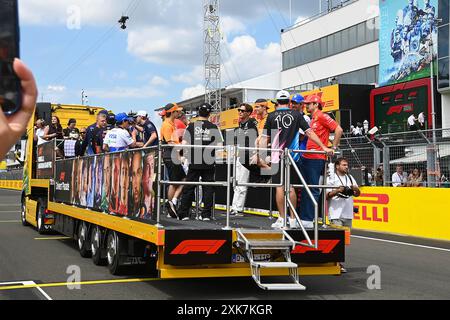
pixel 170 249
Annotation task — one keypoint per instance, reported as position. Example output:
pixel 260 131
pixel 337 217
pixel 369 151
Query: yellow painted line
pixel 86 283
pixel 10 221
pixel 54 238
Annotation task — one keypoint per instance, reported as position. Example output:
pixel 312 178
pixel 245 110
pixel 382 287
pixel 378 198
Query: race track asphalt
pixel 409 269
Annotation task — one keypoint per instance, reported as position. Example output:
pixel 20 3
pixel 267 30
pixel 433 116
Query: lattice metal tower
pixel 212 54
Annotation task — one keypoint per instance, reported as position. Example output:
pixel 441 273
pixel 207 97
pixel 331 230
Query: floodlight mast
pixel 212 63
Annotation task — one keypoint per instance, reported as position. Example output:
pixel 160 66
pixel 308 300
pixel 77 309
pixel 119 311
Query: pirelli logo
pixel 372 207
pixel 202 246
pixel 325 247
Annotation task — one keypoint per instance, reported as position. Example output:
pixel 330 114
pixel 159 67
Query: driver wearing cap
pixel 171 157
pixel 119 138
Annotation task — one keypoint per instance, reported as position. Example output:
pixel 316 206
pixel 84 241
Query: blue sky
pixel 77 44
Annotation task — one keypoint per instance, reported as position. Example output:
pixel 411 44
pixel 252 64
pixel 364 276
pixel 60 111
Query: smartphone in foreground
pixel 10 87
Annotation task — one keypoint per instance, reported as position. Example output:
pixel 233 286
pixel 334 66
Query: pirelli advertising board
pixel 403 211
pixel 121 184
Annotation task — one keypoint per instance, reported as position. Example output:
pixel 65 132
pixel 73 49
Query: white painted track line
pixel 402 243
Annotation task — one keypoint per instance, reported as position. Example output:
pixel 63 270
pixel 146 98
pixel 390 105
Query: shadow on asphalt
pixel 352 283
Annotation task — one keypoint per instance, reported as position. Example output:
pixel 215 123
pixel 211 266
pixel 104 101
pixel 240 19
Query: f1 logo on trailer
pixel 325 246
pixel 197 247
pixel 206 246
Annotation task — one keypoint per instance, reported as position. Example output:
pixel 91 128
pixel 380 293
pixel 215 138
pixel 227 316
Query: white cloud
pixel 230 25
pixel 196 75
pixel 159 81
pixel 192 92
pixel 120 75
pixel 56 88
pixel 125 92
pixel 245 60
pixel 166 45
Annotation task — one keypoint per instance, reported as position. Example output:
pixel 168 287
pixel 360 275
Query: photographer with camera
pixel 340 198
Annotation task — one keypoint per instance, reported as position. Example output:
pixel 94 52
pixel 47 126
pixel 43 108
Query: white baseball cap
pixel 142 113
pixel 283 95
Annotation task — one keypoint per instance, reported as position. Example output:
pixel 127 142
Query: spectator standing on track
pixel 201 162
pixel 245 136
pixel 313 165
pixel 172 157
pixel 398 178
pixel 282 131
pixel 340 201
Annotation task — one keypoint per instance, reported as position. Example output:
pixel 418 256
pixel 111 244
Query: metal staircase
pixel 270 240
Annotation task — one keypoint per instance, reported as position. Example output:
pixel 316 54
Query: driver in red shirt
pixel 312 165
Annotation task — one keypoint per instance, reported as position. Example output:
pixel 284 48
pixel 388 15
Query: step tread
pixel 275 264
pixel 260 231
pixel 283 286
pixel 270 243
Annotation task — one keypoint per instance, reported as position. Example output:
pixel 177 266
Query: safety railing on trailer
pixel 163 182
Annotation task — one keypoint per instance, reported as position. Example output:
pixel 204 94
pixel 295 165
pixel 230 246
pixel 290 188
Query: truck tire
pixel 96 246
pixel 40 217
pixel 23 213
pixel 83 240
pixel 113 245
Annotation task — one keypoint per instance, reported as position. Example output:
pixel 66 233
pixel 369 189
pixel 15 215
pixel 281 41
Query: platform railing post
pixel 158 197
pixel 287 189
pixel 229 178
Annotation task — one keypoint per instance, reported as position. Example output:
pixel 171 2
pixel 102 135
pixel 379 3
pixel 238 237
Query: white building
pixel 262 87
pixel 340 46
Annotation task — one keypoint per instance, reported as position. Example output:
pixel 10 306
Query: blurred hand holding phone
pixel 18 91
pixel 10 87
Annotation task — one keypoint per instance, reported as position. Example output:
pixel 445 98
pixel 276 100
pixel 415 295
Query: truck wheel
pixel 83 243
pixel 113 243
pixel 96 246
pixel 40 217
pixel 23 213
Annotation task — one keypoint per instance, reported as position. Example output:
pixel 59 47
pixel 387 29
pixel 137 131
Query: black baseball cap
pixel 205 108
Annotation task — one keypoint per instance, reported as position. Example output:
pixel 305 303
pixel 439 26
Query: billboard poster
pixel 149 186
pixel 74 182
pixel 135 189
pixel 91 182
pixel 45 158
pixel 98 181
pixel 83 185
pixel 122 184
pixel 391 106
pixel 63 180
pixel 106 185
pixel 408 40
pixel 115 182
